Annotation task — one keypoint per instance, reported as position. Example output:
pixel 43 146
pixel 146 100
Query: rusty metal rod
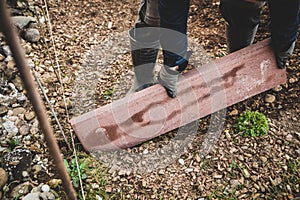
pixel 12 39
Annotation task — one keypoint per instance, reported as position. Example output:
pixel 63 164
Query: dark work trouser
pixel 160 22
pixel 243 18
pixel 170 15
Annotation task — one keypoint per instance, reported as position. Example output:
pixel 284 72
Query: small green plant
pixel 72 170
pixel 12 143
pixel 232 165
pixel 294 166
pixel 204 163
pixel 223 193
pixel 252 124
pixel 109 92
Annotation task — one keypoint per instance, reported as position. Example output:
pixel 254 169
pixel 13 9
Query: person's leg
pixel 242 19
pixel 144 41
pixel 284 28
pixel 148 13
pixel 173 39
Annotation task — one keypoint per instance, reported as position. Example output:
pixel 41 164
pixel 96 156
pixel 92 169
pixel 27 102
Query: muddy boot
pixel 144 50
pixel 168 76
pixel 282 54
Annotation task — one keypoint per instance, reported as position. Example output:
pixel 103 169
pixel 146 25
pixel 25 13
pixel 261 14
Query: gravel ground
pixel 236 167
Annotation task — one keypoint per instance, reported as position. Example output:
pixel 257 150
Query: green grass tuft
pixel 252 124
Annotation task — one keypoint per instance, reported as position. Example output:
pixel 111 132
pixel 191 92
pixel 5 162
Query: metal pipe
pixel 12 39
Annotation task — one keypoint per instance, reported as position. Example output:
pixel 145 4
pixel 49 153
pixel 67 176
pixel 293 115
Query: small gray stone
pixel 32 196
pixel 234 183
pixel 293 80
pixel 254 178
pixel 9 113
pixel 53 183
pixel 30 63
pixel 21 189
pixel 36 168
pixel 218 176
pixel 18 83
pixel 255 165
pixel 27 138
pixel 34 130
pixel 37 188
pixel 3 177
pixel 246 173
pixel 8 59
pixel 22 21
pixel 181 161
pixel 10 127
pixel 21 98
pixel 263 159
pixel 29 115
pixel 32 35
pixel 100 198
pixel 11 68
pixel 6 50
pixel 19 110
pixel 145 151
pixel 27 48
pixel 234 112
pixel 12 118
pixel 21 5
pixel 25 174
pixel 241 158
pixel 289 138
pixel 2 70
pixel 43 195
pixel 270 98
pixel 62 104
pixel 42 20
pixel 24 130
pixel 277 88
pixel 197 158
pixel 45 188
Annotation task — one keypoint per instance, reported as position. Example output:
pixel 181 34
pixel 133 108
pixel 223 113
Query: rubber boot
pixel 168 76
pixel 144 50
pixel 282 54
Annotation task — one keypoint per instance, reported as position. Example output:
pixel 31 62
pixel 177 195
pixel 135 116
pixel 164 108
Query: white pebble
pixel 10 113
pixel 27 138
pixel 109 26
pixel 98 197
pixel 145 151
pixel 10 127
pixel 45 188
pixel 25 174
pixel 181 161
